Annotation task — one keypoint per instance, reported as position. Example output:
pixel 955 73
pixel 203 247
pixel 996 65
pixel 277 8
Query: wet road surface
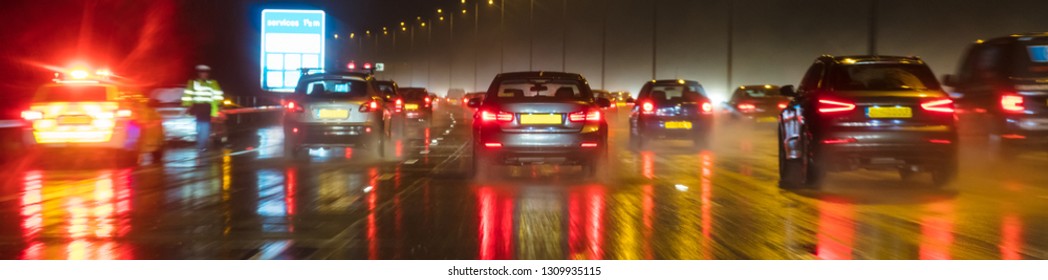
pixel 671 201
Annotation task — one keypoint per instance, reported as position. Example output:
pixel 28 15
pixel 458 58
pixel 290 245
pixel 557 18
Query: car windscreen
pixel 541 89
pixel 71 93
pixel 883 77
pixel 674 92
pixel 1032 61
pixel 386 88
pixel 334 88
pixel 761 93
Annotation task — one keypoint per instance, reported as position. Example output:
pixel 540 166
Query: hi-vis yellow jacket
pixel 203 91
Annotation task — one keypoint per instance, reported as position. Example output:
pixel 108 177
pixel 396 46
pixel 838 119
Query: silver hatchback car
pixel 336 110
pixel 539 117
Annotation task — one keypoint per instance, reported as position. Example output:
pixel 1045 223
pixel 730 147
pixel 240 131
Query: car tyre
pixel 944 173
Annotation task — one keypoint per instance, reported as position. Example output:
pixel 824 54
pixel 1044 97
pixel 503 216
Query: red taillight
pixel 428 100
pixel 493 145
pixel 592 116
pixel 746 107
pixel 707 108
pixel 589 145
pixel 32 115
pixel 294 107
pixel 941 106
pixel 369 107
pixel 782 106
pixel 840 141
pixel 465 100
pixel 1012 103
pixel 647 107
pixel 830 106
pixel 123 113
pixel 398 105
pixel 500 116
pixel 940 141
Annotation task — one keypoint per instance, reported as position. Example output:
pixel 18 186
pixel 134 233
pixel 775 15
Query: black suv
pixel 873 112
pixel 1007 78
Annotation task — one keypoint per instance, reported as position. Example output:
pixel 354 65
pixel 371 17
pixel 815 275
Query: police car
pixel 89 113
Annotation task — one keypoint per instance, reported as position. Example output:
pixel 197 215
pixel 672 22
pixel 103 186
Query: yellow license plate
pixel 74 120
pixel 678 125
pixel 890 112
pixel 333 114
pixel 411 106
pixel 541 119
pixel 768 119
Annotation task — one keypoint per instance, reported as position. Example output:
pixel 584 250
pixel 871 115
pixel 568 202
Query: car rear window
pixel 673 92
pixel 761 93
pixel 1033 63
pixel 883 77
pixel 336 88
pixel 414 93
pixel 524 89
pixel 71 93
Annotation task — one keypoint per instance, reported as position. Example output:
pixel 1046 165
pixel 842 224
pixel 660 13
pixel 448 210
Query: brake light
pixel 707 108
pixel 369 107
pixel 647 107
pixel 465 100
pixel 746 107
pixel 493 145
pixel 589 145
pixel 1012 103
pixel 294 107
pixel 32 115
pixel 123 113
pixel 941 106
pixel 500 116
pixel 782 106
pixel 427 100
pixel 830 106
pixel 840 141
pixel 592 116
pixel 398 105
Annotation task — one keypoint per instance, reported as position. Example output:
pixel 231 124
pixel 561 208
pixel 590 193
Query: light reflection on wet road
pixel 670 202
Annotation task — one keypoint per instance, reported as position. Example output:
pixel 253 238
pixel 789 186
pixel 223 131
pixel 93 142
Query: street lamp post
pixel 531 36
pixel 654 38
pixel 603 47
pixel 564 40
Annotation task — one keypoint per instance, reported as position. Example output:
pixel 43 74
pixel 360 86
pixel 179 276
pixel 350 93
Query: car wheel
pixel 158 155
pixel 701 140
pixel 944 173
pixel 128 158
pixel 789 169
pixel 813 169
pixel 906 174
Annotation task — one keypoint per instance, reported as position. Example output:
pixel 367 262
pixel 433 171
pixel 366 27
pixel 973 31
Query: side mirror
pixel 788 91
pixel 473 102
pixel 603 102
pixel 949 80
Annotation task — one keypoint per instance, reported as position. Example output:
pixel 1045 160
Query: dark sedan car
pixel 759 103
pixel 539 117
pixel 417 104
pixel 671 109
pixel 871 112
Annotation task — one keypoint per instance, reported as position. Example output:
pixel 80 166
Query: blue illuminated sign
pixel 292 40
pixel 1038 53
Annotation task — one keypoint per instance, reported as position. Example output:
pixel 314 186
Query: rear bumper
pixel 564 148
pixel 1031 130
pixel 330 135
pixel 657 127
pixel 888 149
pixel 120 138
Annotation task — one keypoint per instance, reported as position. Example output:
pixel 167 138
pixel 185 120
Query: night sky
pixel 155 43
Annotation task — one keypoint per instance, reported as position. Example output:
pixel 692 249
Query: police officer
pixel 203 97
